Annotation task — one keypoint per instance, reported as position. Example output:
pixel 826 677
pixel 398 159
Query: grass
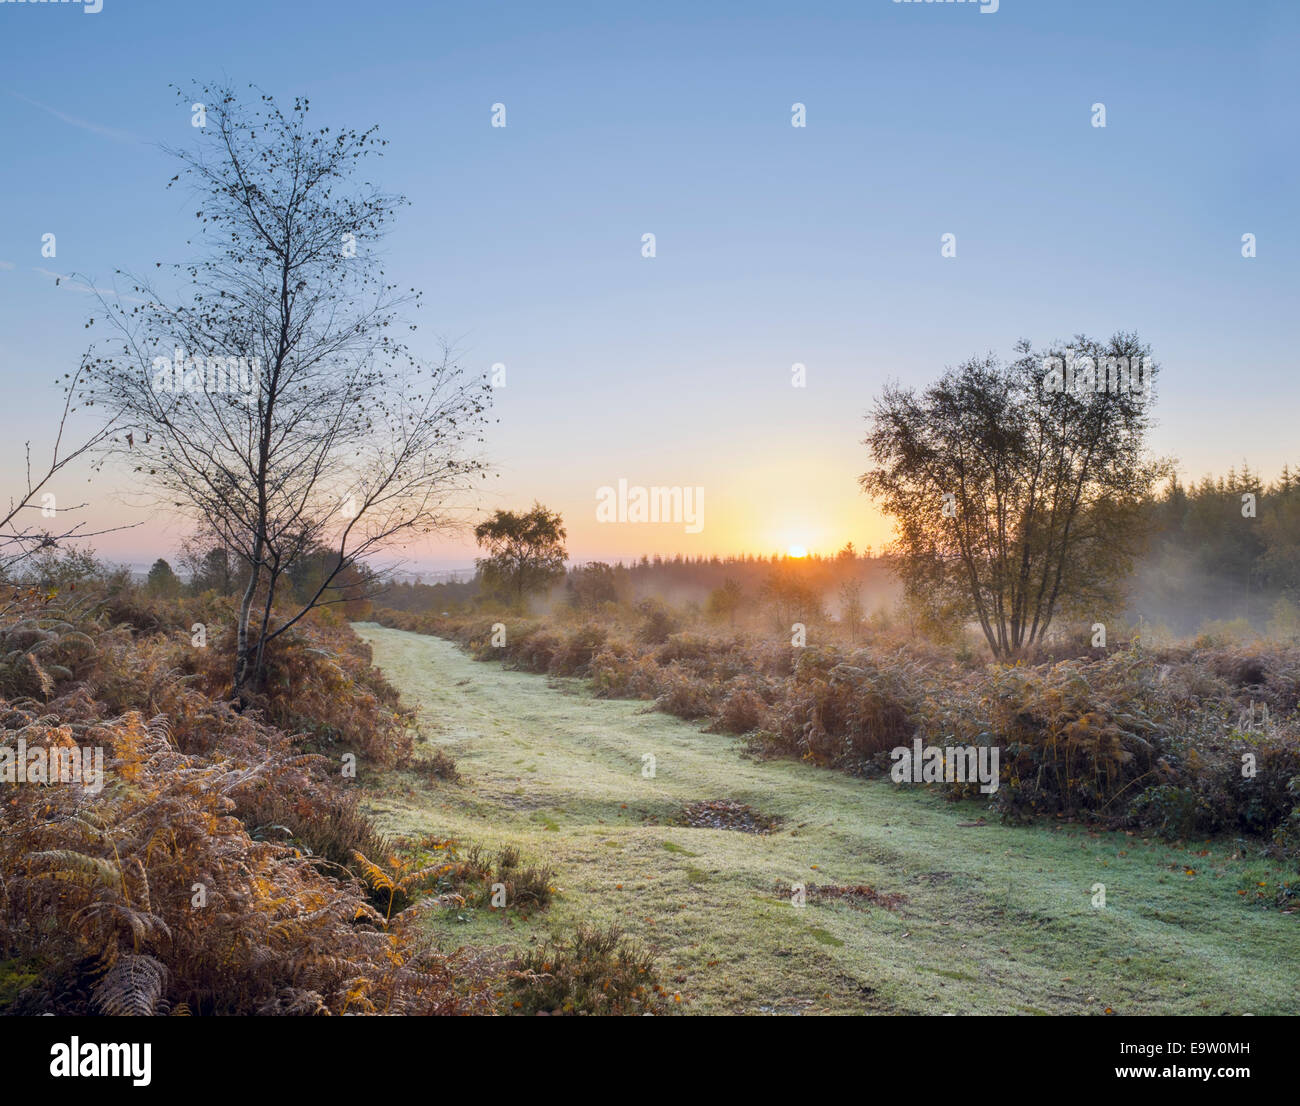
pixel 997 919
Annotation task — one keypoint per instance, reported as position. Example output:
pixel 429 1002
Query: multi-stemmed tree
pixel 1018 490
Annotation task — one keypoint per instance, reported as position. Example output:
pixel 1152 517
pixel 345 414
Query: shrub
pixel 595 971
pixel 742 711
pixel 100 879
pixel 438 765
pixel 657 622
pixel 472 874
pixel 684 695
pixel 1075 735
pixel 1171 810
pixel 843 714
pixel 577 650
pixel 617 673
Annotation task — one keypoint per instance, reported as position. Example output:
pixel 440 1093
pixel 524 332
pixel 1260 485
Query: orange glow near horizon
pixel 728 532
pixel 790 510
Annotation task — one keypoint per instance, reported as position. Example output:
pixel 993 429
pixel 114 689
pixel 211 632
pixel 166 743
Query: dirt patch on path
pixel 726 814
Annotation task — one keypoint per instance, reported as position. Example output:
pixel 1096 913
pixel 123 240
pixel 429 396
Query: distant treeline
pixel 683 580
pixel 418 598
pixel 1224 549
pixel 218 570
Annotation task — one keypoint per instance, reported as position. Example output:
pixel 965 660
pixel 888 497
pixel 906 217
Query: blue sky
pixel 775 244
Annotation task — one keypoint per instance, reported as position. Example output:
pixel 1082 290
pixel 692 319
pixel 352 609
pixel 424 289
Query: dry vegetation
pixel 224 867
pixel 1137 737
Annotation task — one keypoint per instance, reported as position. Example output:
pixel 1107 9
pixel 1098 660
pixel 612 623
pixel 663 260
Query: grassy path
pixel 997 919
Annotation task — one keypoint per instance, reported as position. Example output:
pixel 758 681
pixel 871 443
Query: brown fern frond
pixel 43 679
pixel 296 1002
pixel 80 867
pixel 132 987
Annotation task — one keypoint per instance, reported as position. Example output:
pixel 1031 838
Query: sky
pixel 775 245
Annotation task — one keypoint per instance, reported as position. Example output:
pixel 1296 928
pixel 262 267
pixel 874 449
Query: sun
pixel 796 551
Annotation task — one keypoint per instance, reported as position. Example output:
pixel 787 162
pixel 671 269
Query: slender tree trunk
pixel 248 667
pixel 242 650
pixel 259 665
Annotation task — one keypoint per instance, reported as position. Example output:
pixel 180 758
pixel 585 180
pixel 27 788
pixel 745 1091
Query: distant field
pixel 995 920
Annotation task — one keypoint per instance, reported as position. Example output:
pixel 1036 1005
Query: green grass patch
pixel 1019 898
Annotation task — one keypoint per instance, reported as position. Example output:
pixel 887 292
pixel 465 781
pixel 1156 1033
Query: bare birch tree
pixel 271 397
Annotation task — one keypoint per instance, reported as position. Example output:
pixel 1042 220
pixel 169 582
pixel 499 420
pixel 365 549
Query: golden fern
pixel 374 875
pixel 167 866
pixel 399 881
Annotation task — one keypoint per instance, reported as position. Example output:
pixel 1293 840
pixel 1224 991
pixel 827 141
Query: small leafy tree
pixel 525 552
pixel 792 595
pixel 725 601
pixel 592 585
pixel 210 567
pixel 852 610
pixel 162 582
